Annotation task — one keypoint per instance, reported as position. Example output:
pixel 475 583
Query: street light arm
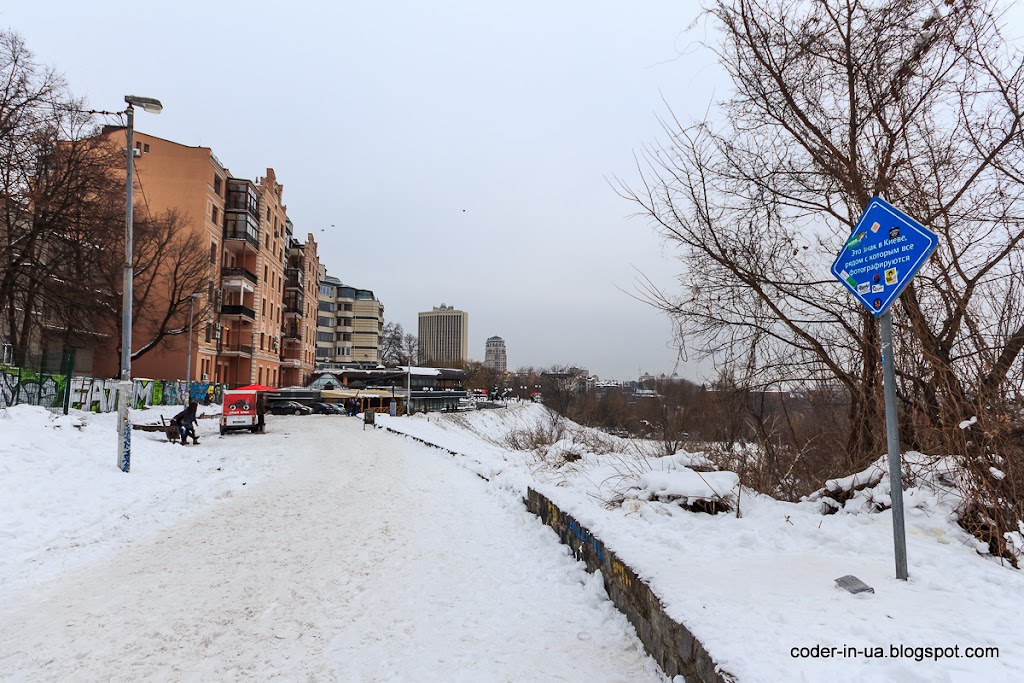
pixel 148 104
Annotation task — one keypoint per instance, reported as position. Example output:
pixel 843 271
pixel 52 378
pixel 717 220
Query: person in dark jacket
pixel 186 421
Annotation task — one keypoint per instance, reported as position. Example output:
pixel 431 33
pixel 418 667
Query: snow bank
pixel 690 485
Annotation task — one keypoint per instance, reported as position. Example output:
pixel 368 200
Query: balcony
pixel 235 350
pixel 292 336
pixel 236 239
pixel 238 277
pixel 291 363
pixel 240 311
pixel 295 278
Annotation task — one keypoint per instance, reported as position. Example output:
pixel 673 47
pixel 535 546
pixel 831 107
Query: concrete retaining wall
pixel 671 644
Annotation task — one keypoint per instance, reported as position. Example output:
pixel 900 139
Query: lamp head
pixel 148 104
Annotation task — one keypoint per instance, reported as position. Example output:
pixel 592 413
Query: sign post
pixel 881 256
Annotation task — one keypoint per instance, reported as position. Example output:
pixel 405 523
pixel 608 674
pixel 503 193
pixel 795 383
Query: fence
pixel 60 391
pixel 41 380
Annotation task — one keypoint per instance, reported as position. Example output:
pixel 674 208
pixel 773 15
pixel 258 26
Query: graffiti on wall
pixel 25 386
pixel 98 395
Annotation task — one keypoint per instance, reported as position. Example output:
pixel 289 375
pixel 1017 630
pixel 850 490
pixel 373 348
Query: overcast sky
pixel 440 152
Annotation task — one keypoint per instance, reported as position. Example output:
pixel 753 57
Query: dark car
pixel 327 409
pixel 288 408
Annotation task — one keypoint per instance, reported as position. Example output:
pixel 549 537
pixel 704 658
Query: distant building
pixel 443 336
pixel 494 354
pixel 348 325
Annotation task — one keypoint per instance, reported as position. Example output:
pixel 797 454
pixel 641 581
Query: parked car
pixel 288 408
pixel 327 409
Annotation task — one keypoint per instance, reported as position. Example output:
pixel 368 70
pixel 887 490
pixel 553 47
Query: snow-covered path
pixel 369 558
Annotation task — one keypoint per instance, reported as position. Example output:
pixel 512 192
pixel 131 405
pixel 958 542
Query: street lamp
pixel 124 428
pixel 188 361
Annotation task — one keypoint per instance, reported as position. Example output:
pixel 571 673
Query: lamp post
pixel 124 428
pixel 188 360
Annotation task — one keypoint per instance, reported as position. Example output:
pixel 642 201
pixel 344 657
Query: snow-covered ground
pixel 326 551
pixel 759 590
pixel 318 551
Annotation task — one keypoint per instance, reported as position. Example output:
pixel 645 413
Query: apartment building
pixel 443 337
pixel 301 299
pixel 349 324
pixel 239 319
pixel 495 355
pixel 192 182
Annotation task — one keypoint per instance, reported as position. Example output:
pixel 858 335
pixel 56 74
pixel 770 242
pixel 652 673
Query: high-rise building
pixel 443 336
pixel 494 354
pixel 348 325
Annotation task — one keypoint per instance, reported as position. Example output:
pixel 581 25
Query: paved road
pixel 371 558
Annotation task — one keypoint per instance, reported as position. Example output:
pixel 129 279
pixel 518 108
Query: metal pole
pixel 126 299
pixel 123 423
pixel 408 386
pixel 892 432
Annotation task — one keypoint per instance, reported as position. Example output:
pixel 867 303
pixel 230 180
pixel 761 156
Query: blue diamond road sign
pixel 882 254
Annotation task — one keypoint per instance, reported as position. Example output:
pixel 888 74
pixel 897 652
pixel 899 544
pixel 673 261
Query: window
pixel 261 341
pixel 145 149
pixel 216 184
pixel 138 145
pixel 323 321
pixel 263 311
pixel 214 215
pixel 209 332
pixel 259 375
pixel 213 247
pixel 326 306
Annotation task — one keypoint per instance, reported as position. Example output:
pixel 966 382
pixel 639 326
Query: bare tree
pixel 54 186
pixel 409 350
pixel 835 102
pixel 391 344
pixel 171 264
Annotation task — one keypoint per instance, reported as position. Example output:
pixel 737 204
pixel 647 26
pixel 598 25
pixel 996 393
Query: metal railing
pixel 239 272
pixel 231 309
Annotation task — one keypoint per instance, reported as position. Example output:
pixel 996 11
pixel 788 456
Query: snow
pixel 754 587
pixel 317 551
pixel 689 484
pixel 323 550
